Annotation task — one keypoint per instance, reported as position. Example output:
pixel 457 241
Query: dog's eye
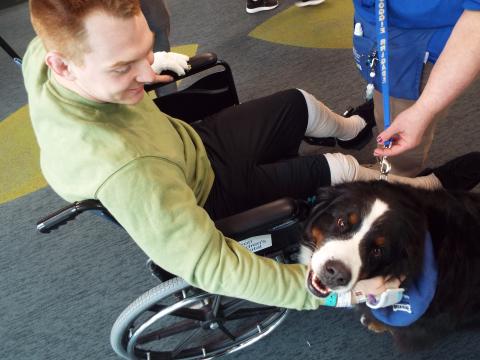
pixel 376 252
pixel 340 223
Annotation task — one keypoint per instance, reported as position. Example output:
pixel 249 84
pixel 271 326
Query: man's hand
pixel 175 62
pixel 374 286
pixel 406 131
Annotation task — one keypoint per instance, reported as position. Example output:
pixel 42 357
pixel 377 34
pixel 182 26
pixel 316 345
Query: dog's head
pixel 361 230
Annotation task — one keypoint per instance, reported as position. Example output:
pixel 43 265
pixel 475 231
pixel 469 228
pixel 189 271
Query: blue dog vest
pixel 417 297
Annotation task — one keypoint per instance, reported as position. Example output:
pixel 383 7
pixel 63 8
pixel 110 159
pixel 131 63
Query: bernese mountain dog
pixel 365 229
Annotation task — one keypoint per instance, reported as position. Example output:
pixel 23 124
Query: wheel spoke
pixel 171 330
pixel 182 343
pixel 192 314
pixel 226 332
pixel 245 313
pixel 232 306
pixel 216 304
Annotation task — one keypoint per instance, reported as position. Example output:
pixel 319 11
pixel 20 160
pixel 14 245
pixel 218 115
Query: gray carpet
pixel 60 293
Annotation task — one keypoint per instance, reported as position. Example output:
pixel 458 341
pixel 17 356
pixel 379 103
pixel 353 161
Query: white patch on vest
pixel 348 250
pixel 402 307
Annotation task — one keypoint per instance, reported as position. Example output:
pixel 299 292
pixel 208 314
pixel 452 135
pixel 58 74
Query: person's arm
pixel 455 69
pixel 150 199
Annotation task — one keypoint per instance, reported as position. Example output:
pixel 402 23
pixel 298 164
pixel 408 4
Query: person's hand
pixel 374 286
pixel 406 131
pixel 178 63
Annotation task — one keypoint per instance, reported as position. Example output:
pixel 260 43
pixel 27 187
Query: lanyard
pixel 382 48
pixel 382 51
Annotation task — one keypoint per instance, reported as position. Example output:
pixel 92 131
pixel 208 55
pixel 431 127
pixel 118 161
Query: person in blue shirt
pixel 434 48
pixel 158 19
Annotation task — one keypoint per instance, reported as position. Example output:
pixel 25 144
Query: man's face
pixel 118 64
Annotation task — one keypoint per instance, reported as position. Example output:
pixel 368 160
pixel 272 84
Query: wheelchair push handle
pixel 198 63
pixel 62 216
pixel 9 50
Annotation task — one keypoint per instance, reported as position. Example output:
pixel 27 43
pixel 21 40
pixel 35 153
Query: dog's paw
pixel 372 325
pixel 377 327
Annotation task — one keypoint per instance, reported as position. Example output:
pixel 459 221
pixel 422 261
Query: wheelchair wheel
pixel 177 321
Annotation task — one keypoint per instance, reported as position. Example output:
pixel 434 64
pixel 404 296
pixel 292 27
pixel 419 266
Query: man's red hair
pixel 60 23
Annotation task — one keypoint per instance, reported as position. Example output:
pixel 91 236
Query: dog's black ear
pixel 414 249
pixel 411 227
pixel 324 197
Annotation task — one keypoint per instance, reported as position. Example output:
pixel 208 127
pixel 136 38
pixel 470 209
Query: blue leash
pixel 382 50
pixel 418 296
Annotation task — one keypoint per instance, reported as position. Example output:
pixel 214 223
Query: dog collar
pixel 417 297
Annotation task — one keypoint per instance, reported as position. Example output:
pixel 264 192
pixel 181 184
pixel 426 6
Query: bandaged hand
pixel 178 63
pixel 371 290
pixel 376 292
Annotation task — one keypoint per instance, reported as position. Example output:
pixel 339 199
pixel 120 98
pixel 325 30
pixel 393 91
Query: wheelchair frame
pixel 208 325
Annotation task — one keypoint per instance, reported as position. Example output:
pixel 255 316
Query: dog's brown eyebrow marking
pixel 353 218
pixel 380 241
pixel 317 236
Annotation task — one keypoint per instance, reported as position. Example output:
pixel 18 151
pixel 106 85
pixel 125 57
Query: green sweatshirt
pixel 152 173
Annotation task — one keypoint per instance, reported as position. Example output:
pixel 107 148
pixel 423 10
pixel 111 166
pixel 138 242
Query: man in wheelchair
pixel 163 180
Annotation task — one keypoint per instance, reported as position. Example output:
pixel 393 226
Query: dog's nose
pixel 335 274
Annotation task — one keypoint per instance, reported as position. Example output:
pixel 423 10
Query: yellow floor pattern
pixel 326 26
pixel 20 157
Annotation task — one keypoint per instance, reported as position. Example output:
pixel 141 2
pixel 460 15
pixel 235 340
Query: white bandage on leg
pixel 345 168
pixel 429 182
pixel 323 122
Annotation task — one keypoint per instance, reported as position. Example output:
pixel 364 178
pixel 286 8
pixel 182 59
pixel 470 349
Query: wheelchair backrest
pixel 212 92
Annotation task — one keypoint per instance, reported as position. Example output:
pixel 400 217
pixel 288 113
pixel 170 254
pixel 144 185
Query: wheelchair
pixel 175 320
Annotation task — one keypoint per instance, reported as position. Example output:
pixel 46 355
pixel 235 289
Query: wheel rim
pixel 225 324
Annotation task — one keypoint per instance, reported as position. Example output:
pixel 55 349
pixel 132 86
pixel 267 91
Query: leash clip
pixel 385 165
pixel 385 168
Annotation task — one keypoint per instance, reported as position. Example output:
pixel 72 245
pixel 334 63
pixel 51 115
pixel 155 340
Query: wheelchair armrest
pixel 273 215
pixel 55 220
pixel 197 64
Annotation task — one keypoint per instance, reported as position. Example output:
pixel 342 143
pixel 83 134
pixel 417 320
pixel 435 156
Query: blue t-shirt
pixel 423 14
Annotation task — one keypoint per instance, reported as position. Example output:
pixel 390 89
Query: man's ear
pixel 59 65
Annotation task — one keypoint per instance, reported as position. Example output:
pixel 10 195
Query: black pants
pixel 253 149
